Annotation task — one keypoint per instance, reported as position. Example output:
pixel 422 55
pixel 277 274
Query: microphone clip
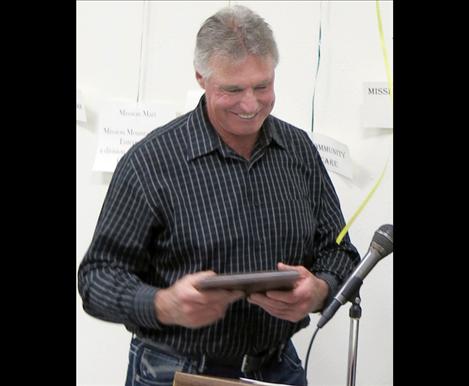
pixel 355 311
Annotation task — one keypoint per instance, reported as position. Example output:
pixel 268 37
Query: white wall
pixel 108 54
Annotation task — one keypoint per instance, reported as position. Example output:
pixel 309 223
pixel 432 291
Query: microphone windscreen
pixel 384 238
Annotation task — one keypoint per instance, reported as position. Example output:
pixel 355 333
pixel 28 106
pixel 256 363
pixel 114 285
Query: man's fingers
pixel 220 296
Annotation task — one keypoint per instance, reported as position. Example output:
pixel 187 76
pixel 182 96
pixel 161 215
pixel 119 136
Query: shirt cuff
pixel 333 284
pixel 144 307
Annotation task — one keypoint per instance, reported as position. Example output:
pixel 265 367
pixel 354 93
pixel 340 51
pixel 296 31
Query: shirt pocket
pixel 289 227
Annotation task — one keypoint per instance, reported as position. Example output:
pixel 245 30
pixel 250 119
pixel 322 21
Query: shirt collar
pixel 272 132
pixel 203 138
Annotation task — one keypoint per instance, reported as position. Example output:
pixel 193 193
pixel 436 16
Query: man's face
pixel 240 94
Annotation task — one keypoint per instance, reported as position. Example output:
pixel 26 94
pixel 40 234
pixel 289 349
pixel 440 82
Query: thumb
pixel 304 273
pixel 194 278
pixel 286 267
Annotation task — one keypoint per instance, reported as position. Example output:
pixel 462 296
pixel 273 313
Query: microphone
pixel 381 246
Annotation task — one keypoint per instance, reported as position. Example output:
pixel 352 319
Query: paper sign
pixel 81 112
pixel 334 155
pixel 122 124
pixel 376 111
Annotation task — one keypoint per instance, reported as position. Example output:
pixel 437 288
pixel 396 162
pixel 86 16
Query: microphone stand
pixel 355 313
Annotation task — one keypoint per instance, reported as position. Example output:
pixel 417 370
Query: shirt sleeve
pixel 333 283
pixel 111 276
pixel 334 262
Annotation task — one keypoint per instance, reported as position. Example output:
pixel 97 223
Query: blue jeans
pixel 149 366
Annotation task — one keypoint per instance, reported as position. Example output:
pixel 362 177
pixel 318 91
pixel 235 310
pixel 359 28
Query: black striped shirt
pixel 181 201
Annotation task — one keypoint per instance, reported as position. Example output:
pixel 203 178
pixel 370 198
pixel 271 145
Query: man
pixel 226 188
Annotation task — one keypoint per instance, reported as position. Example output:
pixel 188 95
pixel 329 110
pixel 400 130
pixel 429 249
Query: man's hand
pixel 184 305
pixel 307 296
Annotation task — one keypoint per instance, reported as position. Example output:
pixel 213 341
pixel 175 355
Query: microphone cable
pixel 307 353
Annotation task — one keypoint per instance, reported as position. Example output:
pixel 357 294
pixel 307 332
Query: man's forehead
pixel 253 68
pixel 222 61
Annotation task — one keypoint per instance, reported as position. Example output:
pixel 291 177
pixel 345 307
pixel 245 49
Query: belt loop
pixel 244 363
pixel 201 367
pixel 281 349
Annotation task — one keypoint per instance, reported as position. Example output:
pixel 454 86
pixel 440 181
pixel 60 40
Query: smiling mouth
pixel 246 116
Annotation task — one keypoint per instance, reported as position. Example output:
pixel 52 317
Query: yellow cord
pixel 388 74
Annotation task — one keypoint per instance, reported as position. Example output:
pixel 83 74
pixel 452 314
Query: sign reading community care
pixel 334 155
pixel 122 124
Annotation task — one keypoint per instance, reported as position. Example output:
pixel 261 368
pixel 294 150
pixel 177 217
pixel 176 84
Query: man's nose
pixel 249 103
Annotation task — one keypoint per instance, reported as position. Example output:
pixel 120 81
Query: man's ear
pixel 200 79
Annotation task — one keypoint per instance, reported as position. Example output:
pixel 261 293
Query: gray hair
pixel 234 32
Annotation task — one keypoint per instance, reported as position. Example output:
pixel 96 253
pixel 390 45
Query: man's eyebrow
pixel 233 87
pixel 264 83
